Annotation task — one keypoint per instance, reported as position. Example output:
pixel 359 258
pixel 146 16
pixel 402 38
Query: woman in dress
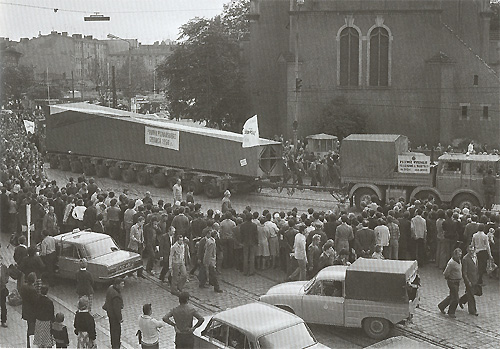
pixel 44 314
pixel 84 325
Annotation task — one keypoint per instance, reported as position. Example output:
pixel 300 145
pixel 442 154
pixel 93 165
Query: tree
pixel 341 119
pixel 39 91
pixel 141 79
pixel 15 80
pixel 205 81
pixel 234 19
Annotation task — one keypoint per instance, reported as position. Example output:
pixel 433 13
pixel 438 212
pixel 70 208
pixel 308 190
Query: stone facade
pixel 425 69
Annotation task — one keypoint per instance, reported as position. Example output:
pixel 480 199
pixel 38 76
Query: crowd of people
pixel 186 240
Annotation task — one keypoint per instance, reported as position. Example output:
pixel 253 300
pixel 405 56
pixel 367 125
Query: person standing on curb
pixel 4 292
pixel 150 328
pixel 453 276
pixel 470 276
pixel 85 283
pixel 183 316
pixel 113 307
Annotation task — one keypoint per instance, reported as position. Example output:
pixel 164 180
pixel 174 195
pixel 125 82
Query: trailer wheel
pixel 89 169
pixel 54 162
pixel 128 175
pixel 159 180
pixel 65 165
pixel 101 171
pixel 192 185
pixel 115 172
pixel 211 190
pixel 465 200
pixel 363 194
pixel 376 328
pixel 143 177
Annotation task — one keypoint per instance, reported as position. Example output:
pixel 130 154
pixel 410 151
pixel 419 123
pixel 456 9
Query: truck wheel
pixel 128 175
pixel 211 190
pixel 376 328
pixel 101 171
pixel 159 180
pixel 76 166
pixel 65 165
pixel 465 200
pixel 143 178
pixel 192 185
pixel 363 194
pixel 54 162
pixel 89 169
pixel 115 172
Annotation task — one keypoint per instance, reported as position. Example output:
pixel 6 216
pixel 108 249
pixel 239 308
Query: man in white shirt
pixel 299 253
pixel 48 253
pixel 150 328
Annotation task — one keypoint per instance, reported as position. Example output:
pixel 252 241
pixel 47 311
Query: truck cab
pixel 459 178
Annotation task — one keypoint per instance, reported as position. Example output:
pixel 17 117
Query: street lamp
pixel 111 36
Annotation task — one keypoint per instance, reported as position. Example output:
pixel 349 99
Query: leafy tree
pixel 234 19
pixel 205 81
pixel 141 79
pixel 39 91
pixel 15 80
pixel 341 119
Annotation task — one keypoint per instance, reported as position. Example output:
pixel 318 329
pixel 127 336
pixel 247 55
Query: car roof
pixel 334 272
pixel 387 266
pixel 257 319
pixel 81 237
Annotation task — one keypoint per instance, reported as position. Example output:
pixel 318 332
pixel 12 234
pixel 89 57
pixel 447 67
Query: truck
pixel 101 141
pixel 382 166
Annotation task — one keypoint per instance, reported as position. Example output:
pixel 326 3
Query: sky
pixel 146 20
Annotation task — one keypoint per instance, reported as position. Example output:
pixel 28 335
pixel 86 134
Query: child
pixel 190 196
pixel 378 253
pixel 60 332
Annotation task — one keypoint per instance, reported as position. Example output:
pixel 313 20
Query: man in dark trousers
pixel 453 276
pixel 151 230
pixel 165 241
pixel 85 283
pixel 470 276
pixel 113 307
pixel 29 295
pixel 248 232
pixel 183 316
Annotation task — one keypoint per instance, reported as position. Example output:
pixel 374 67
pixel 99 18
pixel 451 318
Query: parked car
pixel 105 259
pixel 372 294
pixel 255 326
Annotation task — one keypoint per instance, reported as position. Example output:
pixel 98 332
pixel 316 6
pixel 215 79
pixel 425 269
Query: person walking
pixel 84 325
pixel 177 265
pixel 113 307
pixel 60 332
pixel 183 316
pixel 85 283
pixel 136 242
pixel 483 251
pixel 151 231
pixel 29 296
pixel 210 261
pixel 166 242
pixel 150 328
pixel 470 276
pixel 453 276
pixel 44 315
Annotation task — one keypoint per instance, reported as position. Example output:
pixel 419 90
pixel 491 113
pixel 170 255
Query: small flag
pixel 29 126
pixel 251 133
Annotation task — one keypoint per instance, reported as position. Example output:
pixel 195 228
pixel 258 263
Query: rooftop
pixel 471 157
pixel 373 137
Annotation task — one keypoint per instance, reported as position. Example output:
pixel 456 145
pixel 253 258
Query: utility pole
pixel 298 81
pixel 113 85
pixel 73 85
pixel 48 86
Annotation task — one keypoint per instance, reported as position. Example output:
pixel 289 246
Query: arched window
pixel 379 57
pixel 349 57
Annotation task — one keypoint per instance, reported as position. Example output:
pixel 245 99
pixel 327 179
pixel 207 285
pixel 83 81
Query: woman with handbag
pixel 84 325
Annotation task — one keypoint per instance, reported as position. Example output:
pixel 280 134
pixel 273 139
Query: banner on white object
pixel 160 137
pixel 414 163
pixel 251 133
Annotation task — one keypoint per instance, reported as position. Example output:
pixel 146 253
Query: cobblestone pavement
pixel 428 324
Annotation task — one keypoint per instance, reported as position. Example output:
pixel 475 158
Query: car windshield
pixel 100 248
pixel 297 336
pixel 309 284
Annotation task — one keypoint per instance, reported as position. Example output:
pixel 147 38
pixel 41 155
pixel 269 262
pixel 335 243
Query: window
pixel 486 112
pixel 379 57
pixel 218 332
pixel 238 340
pixel 476 80
pixel 69 251
pixel 454 167
pixel 332 288
pixel 464 111
pixel 349 57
